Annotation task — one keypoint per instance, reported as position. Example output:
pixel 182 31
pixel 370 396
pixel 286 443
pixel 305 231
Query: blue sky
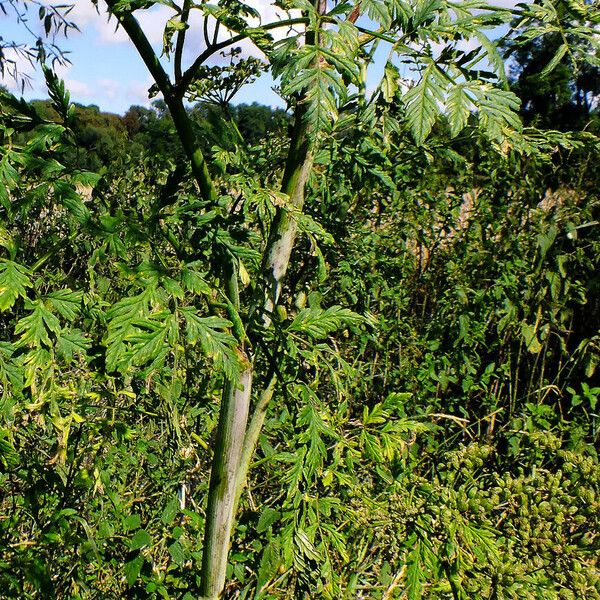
pixel 106 70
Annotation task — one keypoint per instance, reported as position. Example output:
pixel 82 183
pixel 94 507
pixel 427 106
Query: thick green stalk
pixel 234 445
pixel 230 470
pixel 222 497
pixel 255 426
pixel 235 401
pixel 185 131
pixel 297 170
pixel 276 260
pixel 220 515
pixel 283 230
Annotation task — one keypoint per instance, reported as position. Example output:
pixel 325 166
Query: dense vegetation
pixel 425 390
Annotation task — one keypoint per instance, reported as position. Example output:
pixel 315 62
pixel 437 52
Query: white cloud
pixel 152 22
pixel 87 17
pixel 84 12
pixel 78 89
pixel 137 93
pixel 508 3
pixel 114 96
pixel 109 88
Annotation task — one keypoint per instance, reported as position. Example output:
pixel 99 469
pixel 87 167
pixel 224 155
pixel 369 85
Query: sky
pixel 105 69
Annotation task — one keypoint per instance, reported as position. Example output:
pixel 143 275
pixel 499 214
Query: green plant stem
pixel 283 230
pixel 220 514
pixel 230 469
pixel 185 130
pixel 181 120
pixel 252 434
pixel 298 167
pixel 185 14
pixel 235 402
pixel 233 448
pixel 230 474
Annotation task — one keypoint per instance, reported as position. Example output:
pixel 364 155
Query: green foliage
pixel 555 63
pixel 431 355
pixel 318 323
pixel 219 85
pixel 422 104
pixel 13 281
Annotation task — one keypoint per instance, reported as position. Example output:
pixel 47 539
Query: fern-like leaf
pixel 458 108
pixel 424 103
pixel 14 279
pixel 122 318
pixel 35 328
pixel 212 334
pixel 319 323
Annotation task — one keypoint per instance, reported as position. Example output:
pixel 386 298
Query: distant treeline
pixel 103 136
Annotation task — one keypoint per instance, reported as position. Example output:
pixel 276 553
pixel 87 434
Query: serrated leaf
pixel 267 518
pixel 532 343
pixel 67 303
pixel 378 11
pixel 555 61
pixel 170 511
pixel 121 324
pixel 194 282
pixel 497 111
pixel 307 224
pixel 458 108
pixel 66 195
pixel 86 178
pixel 9 457
pixel 177 553
pixel 319 323
pixel 315 75
pixel 425 10
pixel 11 374
pixel 269 564
pixel 150 339
pixel 36 327
pixel 414 573
pixel 305 545
pixel 294 474
pixel 424 103
pixel 212 334
pixel 72 342
pixel 491 53
pixel 313 428
pixel 14 279
pixel 389 83
pixel 9 177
